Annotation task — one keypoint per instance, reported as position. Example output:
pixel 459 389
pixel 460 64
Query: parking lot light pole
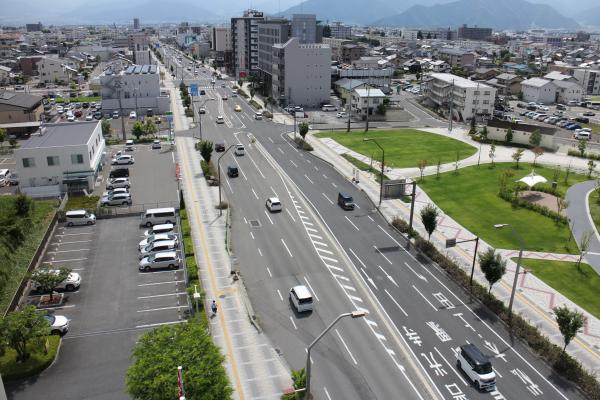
pixel 219 177
pixel 382 167
pixel 521 246
pixel 353 314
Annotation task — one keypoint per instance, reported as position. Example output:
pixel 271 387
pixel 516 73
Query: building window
pixel 28 162
pixel 76 158
pixel 486 93
pixel 52 161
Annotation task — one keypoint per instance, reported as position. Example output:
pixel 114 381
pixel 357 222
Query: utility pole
pixel 119 85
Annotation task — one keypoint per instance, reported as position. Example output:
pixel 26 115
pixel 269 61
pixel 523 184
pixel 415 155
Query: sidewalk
pixel 255 369
pixel 534 299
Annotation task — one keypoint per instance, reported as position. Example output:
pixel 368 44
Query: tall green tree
pixel 484 133
pixel 429 216
pixel 106 129
pixel 150 127
pixel 492 266
pixel 138 129
pixel 569 323
pixel 509 135
pixel 206 149
pixel 20 328
pixel 47 278
pixel 303 129
pixel 158 353
pixel 536 138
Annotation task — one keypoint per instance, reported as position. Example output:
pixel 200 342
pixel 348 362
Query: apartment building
pixel 220 43
pixel 63 157
pixel 457 58
pixel 140 45
pixel 56 70
pixel 304 27
pixel 474 33
pixel 340 30
pixel 589 79
pixel 137 88
pixel 538 90
pixel 244 41
pixel 467 98
pixel 301 73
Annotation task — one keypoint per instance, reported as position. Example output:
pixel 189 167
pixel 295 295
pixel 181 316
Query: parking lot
pixel 113 306
pixel 7 161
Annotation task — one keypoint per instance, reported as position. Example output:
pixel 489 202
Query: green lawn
pixel 471 198
pixel 578 285
pixel 403 147
pixel 37 362
pixel 82 202
pixel 363 166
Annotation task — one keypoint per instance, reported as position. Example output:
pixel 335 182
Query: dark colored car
pixel 202 92
pixel 219 147
pixel 583 120
pixel 119 173
pixel 532 108
pixel 589 114
pixel 85 105
pixel 521 105
pixel 78 113
pixel 232 171
pixel 561 107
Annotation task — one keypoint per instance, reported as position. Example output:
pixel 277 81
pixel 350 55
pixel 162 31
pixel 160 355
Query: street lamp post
pixel 382 167
pixel 219 177
pixel 353 314
pixel 521 246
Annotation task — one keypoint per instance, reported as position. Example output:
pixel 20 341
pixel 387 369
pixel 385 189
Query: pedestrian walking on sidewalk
pixel 213 308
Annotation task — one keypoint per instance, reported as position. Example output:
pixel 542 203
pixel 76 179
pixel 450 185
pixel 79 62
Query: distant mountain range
pixel 497 14
pixel 348 11
pixel 590 17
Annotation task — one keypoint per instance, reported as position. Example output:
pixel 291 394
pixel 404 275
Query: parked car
pixel 71 283
pixel 98 115
pixel 119 173
pixel 573 102
pixel 156 144
pixel 582 135
pixel 159 228
pixel 132 115
pixel 157 238
pixel 59 324
pixel 118 183
pixel 157 247
pixel 521 105
pixel 115 191
pixel 115 114
pixel 589 114
pixel 561 107
pixel 583 120
pixel 89 117
pixel 167 259
pixel 117 199
pixel 124 159
pixel 342 114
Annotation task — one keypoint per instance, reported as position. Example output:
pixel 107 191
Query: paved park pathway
pixel 579 214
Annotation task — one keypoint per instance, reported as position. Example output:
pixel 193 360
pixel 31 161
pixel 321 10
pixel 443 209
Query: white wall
pixel 307 73
pixel 545 94
pixel 522 137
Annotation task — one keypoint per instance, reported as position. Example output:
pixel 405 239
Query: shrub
pixel 254 104
pixel 303 144
pixel 545 211
pixel 403 227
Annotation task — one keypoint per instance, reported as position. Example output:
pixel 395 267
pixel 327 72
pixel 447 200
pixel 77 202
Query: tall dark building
pixel 474 33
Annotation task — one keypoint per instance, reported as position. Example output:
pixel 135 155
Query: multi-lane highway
pixel 406 346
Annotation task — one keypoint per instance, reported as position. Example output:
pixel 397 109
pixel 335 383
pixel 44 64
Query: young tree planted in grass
pixel 567 173
pixel 437 171
pixel 303 129
pixel 509 135
pixel 47 278
pixel 492 266
pixel 421 165
pixel 517 155
pixel 19 328
pixel 492 154
pixel 584 246
pixel 561 205
pixel 150 127
pixel 537 152
pixel 429 216
pixel 456 163
pixel 536 138
pixel 581 146
pixel 153 373
pixel 473 128
pixel 206 149
pixel 138 130
pixel 569 323
pixel 591 166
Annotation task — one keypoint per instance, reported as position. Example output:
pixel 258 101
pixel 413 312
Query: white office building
pixel 137 88
pixel 589 79
pixel 301 73
pixel 538 90
pixel 467 98
pixel 63 157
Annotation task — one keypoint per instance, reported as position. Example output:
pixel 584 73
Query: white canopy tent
pixel 532 179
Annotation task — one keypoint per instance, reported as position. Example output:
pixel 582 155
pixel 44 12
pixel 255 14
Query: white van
pixel 301 298
pixel 156 216
pixel 80 217
pixel 580 134
pixel 4 176
pixel 328 107
pixel 239 149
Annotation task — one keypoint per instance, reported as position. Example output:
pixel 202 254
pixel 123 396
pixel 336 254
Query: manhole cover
pixel 254 223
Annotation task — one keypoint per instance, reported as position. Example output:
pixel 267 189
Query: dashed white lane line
pixel 293 323
pixel 66 251
pixel 346 347
pixel 372 220
pixel 334 185
pixel 269 272
pixel 252 235
pixel 255 195
pixel 269 217
pixel 351 223
pixel 326 393
pixel 271 140
pixel 294 164
pixel 396 303
pixel 279 293
pixel 259 252
pixel 328 199
pixel 281 151
pixel 290 214
pixel 286 247
pixel 306 176
pixel 274 192
pixel 324 176
pixel 382 255
pixel 358 258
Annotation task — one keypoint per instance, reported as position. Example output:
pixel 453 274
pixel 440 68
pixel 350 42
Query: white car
pixel 118 183
pixel 220 120
pixel 128 145
pixel 157 247
pixel 342 114
pixel 72 282
pixel 119 199
pixel 115 191
pixel 160 228
pixel 71 118
pixel 123 159
pixel 156 238
pixel 59 324
pixel 133 115
pixel 156 144
pixel 167 259
pixel 477 367
pixel 202 110
pixel 89 117
pixel 273 204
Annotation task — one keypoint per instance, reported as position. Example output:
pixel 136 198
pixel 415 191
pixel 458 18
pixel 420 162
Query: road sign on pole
pixel 194 89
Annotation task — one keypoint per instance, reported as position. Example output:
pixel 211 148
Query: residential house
pixel 352 52
pixel 18 107
pixel 457 58
pixel 63 157
pixel 538 90
pixel 365 101
pixel 506 84
pixel 567 91
pixel 345 87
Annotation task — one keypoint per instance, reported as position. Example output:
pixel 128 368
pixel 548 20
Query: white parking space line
pixel 288 250
pixel 352 223
pixel 159 283
pixel 66 251
pixel 161 323
pixel 269 217
pixel 162 295
pixel 346 347
pixel 77 241
pixel 60 261
pixel 162 308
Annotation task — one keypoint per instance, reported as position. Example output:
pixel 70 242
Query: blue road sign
pixel 194 89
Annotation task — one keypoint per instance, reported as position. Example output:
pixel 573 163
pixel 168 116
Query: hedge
pixel 543 210
pixel 590 156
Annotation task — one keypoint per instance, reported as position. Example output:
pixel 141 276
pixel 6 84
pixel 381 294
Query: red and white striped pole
pixel 180 383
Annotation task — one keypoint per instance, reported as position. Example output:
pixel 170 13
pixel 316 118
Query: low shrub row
pixel 255 104
pixel 543 210
pixel 553 355
pixel 588 155
pixel 303 144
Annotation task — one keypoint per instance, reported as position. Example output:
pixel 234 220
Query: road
pixel 352 259
pixel 579 213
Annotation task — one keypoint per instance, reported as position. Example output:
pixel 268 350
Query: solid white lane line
pixel 255 195
pixel 288 250
pixel 382 255
pixel 396 303
pixel 351 223
pixel 424 298
pixel 161 295
pixel 279 293
pixel 346 347
pixel 311 288
pixel 390 236
pixel 269 217
pixel 293 323
pixel 158 283
pixel 229 184
pixel 259 252
pixel 306 176
pixel 328 199
pixel 290 214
